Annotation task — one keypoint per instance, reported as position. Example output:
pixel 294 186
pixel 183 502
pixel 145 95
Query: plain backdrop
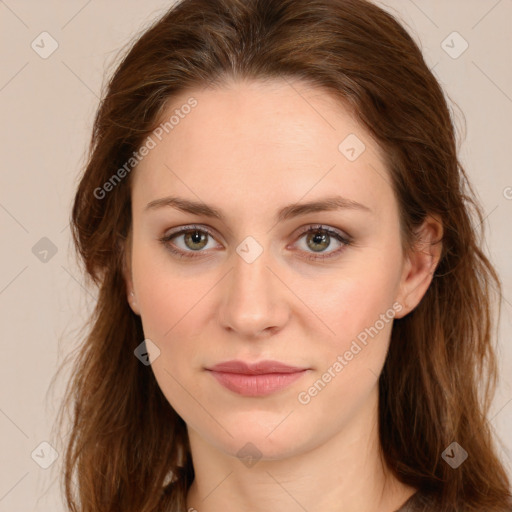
pixel 47 104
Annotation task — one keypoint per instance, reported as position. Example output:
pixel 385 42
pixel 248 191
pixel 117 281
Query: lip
pixel 256 379
pixel 259 368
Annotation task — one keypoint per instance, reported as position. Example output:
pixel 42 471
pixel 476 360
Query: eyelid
pixel 181 230
pixel 191 227
pixel 344 238
pixel 328 229
pixel 303 229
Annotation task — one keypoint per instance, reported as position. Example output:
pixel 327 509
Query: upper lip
pixel 259 368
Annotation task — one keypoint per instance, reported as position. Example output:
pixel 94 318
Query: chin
pixel 253 441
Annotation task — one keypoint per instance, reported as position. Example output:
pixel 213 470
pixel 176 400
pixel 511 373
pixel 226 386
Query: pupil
pixel 319 239
pixel 195 237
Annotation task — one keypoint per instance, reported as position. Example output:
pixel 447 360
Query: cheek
pixel 352 304
pixel 360 312
pixel 173 306
pixel 164 295
pixel 170 307
pixel 358 308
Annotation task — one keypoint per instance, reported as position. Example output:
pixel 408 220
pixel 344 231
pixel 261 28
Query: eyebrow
pixel 287 212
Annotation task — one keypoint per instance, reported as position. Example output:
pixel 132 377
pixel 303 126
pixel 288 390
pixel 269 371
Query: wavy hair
pixel 127 448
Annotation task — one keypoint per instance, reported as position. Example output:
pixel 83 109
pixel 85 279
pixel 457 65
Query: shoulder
pixel 418 502
pixel 423 502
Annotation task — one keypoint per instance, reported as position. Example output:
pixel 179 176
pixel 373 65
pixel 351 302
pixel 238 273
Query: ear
pixel 126 257
pixel 420 264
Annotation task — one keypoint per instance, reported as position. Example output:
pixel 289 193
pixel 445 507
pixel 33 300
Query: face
pixel 315 287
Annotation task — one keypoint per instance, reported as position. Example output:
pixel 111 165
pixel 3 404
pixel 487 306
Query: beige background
pixel 47 107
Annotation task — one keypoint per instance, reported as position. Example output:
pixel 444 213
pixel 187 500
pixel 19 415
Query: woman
pixel 294 310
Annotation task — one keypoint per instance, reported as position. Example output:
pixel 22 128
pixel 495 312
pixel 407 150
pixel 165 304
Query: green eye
pixel 317 239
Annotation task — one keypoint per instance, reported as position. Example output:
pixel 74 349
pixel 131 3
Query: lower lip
pixel 256 385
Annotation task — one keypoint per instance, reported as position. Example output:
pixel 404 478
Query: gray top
pixel 418 502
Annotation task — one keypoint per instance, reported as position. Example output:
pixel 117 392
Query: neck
pixel 344 473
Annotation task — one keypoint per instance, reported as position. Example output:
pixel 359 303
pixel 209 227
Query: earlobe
pixel 421 264
pixel 125 249
pixel 131 297
pixel 133 303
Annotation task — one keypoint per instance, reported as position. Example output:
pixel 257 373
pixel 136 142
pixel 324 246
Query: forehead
pixel 247 137
pixel 276 114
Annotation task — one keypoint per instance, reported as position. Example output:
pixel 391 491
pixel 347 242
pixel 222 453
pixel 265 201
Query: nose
pixel 255 300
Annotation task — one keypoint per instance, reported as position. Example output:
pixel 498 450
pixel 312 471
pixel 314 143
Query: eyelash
pixel 345 240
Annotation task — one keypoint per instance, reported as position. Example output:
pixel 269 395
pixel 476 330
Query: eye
pixel 194 240
pixel 318 238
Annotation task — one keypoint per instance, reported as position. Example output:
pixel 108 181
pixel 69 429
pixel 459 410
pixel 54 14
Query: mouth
pixel 256 379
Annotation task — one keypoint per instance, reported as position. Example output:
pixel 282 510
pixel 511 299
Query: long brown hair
pixel 127 448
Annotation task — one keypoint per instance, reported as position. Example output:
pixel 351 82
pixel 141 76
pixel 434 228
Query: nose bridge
pixel 253 301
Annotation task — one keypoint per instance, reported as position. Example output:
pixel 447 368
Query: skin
pixel 248 149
